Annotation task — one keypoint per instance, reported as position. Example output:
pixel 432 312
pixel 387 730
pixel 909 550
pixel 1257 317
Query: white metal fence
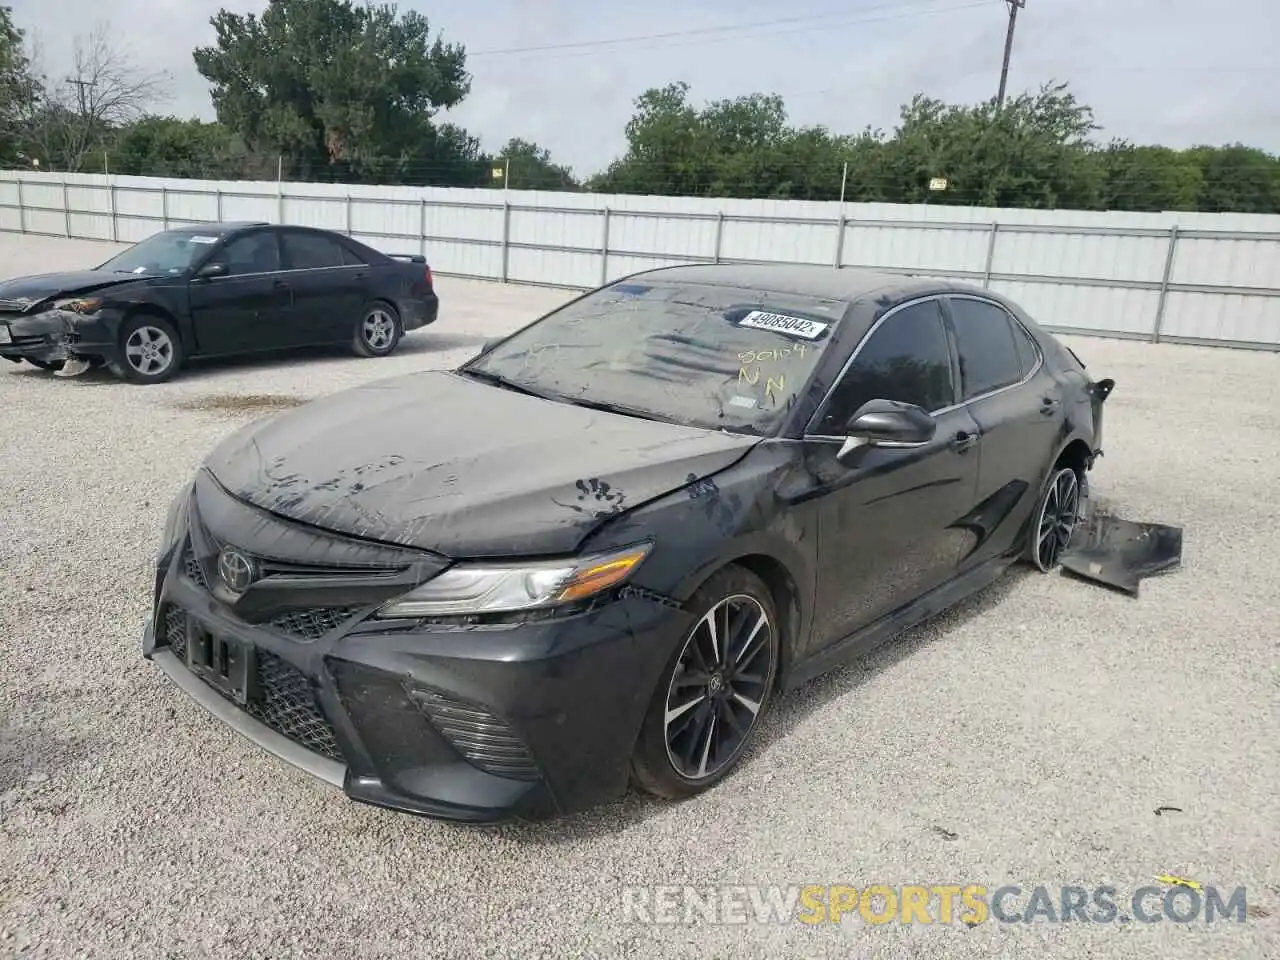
pixel 1198 278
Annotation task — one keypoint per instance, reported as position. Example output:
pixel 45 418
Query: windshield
pixel 705 356
pixel 165 253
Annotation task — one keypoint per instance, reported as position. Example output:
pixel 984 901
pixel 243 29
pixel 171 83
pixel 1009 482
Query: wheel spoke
pixel 706 746
pixel 752 705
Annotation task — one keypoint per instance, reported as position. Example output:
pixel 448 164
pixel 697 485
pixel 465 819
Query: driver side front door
pixel 245 309
pixel 887 515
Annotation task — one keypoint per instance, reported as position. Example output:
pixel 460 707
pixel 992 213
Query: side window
pixel 907 359
pixel 252 253
pixel 307 251
pixel 351 258
pixel 988 352
pixel 1028 354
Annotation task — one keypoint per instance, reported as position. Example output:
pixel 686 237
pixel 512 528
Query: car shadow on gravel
pixel 788 712
pixel 416 343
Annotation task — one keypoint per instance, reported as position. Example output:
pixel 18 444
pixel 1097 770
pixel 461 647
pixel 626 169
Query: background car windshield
pixel 706 356
pixel 170 252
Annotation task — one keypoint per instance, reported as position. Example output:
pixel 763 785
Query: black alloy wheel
pixel 1056 519
pixel 715 690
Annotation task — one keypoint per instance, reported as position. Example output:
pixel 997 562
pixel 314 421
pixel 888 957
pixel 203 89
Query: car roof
pixel 846 283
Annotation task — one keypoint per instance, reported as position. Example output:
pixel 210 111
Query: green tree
pixel 531 167
pixel 169 147
pixel 1237 179
pixel 342 92
pixel 20 92
pixel 1149 179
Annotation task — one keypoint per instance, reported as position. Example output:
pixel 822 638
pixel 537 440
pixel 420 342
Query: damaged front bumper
pixel 477 724
pixel 57 336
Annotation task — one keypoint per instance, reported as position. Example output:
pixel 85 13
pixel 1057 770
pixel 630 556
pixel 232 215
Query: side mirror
pixel 211 270
pixel 888 423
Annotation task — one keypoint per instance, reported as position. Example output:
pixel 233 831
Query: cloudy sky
pixel 1177 72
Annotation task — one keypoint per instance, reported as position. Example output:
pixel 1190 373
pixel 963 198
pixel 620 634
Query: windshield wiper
pixel 605 407
pixel 500 381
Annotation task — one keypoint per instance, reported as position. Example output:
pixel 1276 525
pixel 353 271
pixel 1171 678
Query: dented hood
pixel 36 289
pixel 440 462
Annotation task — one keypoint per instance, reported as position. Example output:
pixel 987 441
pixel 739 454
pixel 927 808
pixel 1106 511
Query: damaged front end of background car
pixel 60 334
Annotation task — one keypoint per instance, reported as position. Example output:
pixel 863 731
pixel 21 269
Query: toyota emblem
pixel 236 570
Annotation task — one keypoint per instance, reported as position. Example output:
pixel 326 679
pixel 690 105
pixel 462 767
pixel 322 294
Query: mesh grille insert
pixel 286 703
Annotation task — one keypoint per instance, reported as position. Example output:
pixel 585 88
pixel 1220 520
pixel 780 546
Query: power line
pixel 699 37
pixel 1014 7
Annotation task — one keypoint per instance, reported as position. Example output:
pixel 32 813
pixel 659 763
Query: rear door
pixel 330 286
pixel 245 309
pixel 887 529
pixel 1018 409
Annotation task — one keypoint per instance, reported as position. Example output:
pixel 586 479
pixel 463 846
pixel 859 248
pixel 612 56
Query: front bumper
pixel 56 335
pixel 473 724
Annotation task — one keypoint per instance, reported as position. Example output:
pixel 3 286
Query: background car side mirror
pixel 211 270
pixel 888 423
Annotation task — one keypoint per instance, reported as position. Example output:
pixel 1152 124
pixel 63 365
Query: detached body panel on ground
pixel 644 514
pixel 216 290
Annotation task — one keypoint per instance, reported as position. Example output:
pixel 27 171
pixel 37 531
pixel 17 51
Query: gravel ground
pixel 1026 738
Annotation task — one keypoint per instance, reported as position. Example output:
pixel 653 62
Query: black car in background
pixel 645 514
pixel 217 290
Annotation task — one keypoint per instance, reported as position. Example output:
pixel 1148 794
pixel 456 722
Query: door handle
pixel 280 284
pixel 1048 405
pixel 963 440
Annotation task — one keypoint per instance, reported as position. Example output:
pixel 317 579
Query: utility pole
pixel 80 84
pixel 1014 7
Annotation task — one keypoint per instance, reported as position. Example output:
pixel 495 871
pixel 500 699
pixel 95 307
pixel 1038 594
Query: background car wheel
pixel 150 350
pixel 51 365
pixel 1055 518
pixel 378 331
pixel 717 686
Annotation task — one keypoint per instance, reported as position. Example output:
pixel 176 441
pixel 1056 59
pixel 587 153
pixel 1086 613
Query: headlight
pixel 508 588
pixel 175 522
pixel 79 305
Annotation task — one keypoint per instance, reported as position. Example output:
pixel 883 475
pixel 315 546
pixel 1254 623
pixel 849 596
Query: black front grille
pixel 286 701
pixel 288 706
pixel 483 738
pixel 312 624
pixel 191 567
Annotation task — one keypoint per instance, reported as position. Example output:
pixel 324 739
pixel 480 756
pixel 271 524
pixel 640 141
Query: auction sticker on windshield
pixel 4 334
pixel 200 239
pixel 781 323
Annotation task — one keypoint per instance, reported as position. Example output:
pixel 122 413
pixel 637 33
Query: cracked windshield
pixel 705 356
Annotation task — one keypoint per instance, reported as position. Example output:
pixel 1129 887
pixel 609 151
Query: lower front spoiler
pixel 322 768
pixel 514 801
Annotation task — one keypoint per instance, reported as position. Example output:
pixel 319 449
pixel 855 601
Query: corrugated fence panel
pixel 1086 271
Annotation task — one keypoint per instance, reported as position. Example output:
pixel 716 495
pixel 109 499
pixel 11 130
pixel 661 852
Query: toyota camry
pixel 595 553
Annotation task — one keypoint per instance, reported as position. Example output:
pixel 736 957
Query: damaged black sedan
pixel 216 290
pixel 595 553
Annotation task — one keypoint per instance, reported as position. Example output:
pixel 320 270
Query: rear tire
pixel 378 332
pixel 717 685
pixel 1056 515
pixel 150 351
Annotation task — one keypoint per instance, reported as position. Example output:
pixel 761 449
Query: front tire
pixel 715 689
pixel 150 351
pixel 379 331
pixel 1055 519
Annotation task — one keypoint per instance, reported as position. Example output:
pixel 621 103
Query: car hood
pixel 28 291
pixel 443 463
